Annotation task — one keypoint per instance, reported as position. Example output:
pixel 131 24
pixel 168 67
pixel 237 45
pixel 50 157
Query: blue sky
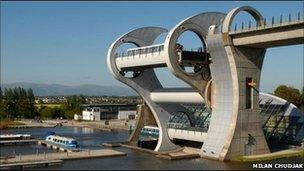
pixel 67 42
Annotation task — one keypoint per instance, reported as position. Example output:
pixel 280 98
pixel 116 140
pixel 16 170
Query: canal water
pixel 134 160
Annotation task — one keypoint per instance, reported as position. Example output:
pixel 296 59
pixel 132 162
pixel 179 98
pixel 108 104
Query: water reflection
pixel 83 130
pixel 87 130
pixel 76 130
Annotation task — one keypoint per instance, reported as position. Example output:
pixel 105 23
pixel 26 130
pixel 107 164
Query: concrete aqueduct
pixel 226 77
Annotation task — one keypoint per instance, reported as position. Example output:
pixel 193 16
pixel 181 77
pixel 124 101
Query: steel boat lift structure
pixel 227 77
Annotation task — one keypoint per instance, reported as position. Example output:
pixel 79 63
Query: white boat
pixel 150 132
pixel 65 141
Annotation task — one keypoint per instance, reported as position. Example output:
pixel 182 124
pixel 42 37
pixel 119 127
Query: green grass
pixel 299 153
pixel 49 105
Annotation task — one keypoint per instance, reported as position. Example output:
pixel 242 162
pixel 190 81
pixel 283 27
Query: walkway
pixel 62 156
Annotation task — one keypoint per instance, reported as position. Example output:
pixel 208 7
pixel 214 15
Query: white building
pixel 91 114
pixel 127 114
pixel 108 111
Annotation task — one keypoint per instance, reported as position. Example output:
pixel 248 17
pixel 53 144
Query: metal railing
pixel 187 129
pixel 141 51
pixel 198 49
pixel 268 23
pixel 151 49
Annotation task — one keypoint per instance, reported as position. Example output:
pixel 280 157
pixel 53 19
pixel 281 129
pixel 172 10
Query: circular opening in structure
pixel 123 54
pixel 160 39
pixel 243 21
pixel 168 80
pixel 191 52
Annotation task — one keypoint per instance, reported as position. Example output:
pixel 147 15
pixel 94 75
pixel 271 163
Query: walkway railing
pixel 187 131
pixel 151 49
pixel 141 50
pixel 178 126
pixel 268 23
pixel 192 135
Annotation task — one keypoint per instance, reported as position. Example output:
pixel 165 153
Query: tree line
pixel 291 94
pixel 71 106
pixel 20 103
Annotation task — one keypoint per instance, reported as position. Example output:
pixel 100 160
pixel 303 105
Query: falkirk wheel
pixel 226 76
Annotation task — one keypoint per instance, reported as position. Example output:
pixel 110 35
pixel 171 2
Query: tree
pixel 2 112
pixel 49 112
pixel 9 103
pixel 46 112
pixel 292 95
pixel 18 102
pixel 73 105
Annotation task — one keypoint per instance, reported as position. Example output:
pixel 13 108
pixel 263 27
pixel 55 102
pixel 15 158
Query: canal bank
pixel 295 152
pixel 105 125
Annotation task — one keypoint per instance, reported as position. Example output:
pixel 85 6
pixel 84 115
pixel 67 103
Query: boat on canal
pixel 61 140
pixel 148 137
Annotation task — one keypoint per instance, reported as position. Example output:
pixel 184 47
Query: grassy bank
pixel 270 156
pixel 6 122
pixel 52 105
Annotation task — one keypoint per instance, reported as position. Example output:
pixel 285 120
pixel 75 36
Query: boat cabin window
pixel 73 142
pixel 150 130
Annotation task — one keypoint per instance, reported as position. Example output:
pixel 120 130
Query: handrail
pixel 252 26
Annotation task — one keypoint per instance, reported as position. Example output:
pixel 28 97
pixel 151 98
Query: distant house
pixel 91 114
pixel 107 111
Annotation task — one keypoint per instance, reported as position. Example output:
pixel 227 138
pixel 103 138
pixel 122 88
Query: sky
pixel 67 42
